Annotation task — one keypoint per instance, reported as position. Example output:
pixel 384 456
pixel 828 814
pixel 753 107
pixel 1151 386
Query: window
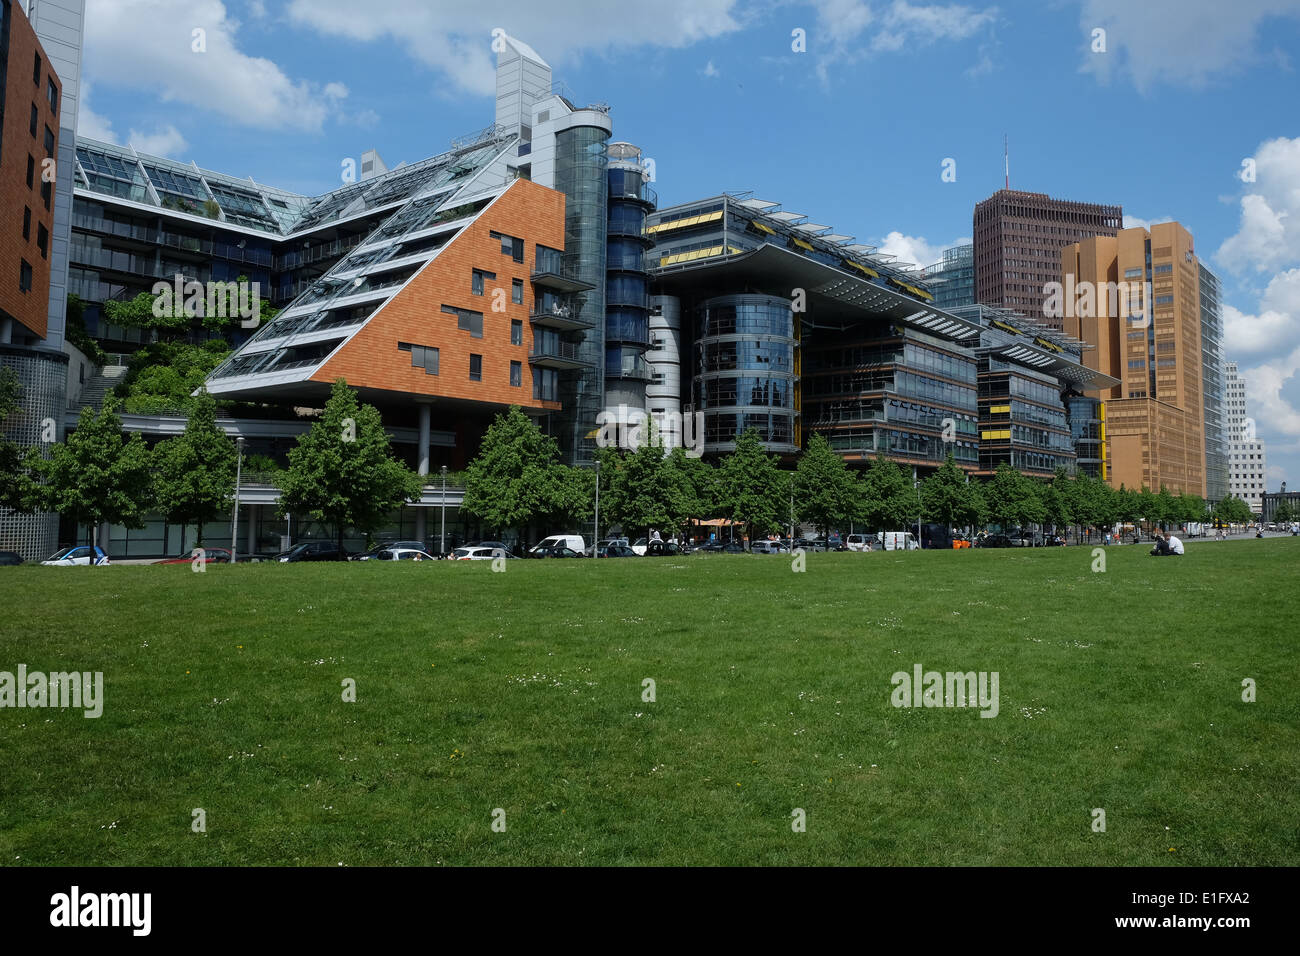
pixel 471 322
pixel 510 246
pixel 422 356
pixel 31 171
pixel 36 71
pixel 49 142
pixel 52 92
pixel 517 291
pixel 43 240
pixel 25 276
pixel 477 282
pixel 516 332
pixel 36 119
pixel 45 194
pixel 27 223
pixel 475 368
pixel 516 374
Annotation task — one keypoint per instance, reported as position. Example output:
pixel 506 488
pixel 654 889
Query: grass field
pixel 523 691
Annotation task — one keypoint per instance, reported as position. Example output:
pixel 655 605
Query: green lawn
pixel 523 691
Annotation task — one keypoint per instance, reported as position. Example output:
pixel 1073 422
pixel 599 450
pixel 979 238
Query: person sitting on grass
pixel 1167 545
pixel 1171 541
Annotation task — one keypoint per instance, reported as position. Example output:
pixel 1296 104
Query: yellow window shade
pixel 991 436
pixel 1004 327
pixel 692 255
pixel 999 409
pixel 861 268
pixel 802 245
pixel 761 227
pixel 923 294
pixel 688 221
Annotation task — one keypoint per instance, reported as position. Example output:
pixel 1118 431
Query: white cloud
pixel 1176 42
pixel 90 123
pixel 847 30
pixel 1268 236
pixel 710 70
pixel 257 8
pixel 1137 222
pixel 914 249
pixel 165 141
pixel 456 38
pixel 147 46
pixel 1278 319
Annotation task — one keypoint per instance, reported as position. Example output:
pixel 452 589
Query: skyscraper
pixel 1246 453
pixel 1018 238
pixel 1136 299
pixel 952 280
pixel 1216 453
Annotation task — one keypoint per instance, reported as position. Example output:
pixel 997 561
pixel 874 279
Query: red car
pixel 210 555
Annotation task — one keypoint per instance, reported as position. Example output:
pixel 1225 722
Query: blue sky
pixel 852 131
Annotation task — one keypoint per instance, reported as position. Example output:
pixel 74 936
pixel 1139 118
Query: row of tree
pixel 342 472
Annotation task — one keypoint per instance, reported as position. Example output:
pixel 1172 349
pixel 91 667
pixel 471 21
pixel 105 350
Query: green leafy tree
pixel 1167 508
pixel 1283 513
pixel 1126 505
pixel 946 495
pixel 1004 494
pixel 194 473
pixel 517 477
pixel 1148 507
pixel 825 491
pixel 888 501
pixel 95 475
pixel 642 487
pixel 750 487
pixel 164 377
pixel 342 471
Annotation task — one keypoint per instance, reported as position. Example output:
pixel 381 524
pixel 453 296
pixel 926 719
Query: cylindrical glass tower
pixel 745 373
pixel 627 285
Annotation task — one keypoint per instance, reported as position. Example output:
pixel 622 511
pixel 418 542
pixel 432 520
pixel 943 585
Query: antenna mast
pixel 1006 161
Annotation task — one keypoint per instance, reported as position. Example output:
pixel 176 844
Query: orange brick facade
pixel 371 359
pixel 17 145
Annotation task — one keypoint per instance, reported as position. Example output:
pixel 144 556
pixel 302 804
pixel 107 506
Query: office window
pixel 475 368
pixel 516 332
pixel 36 71
pixel 43 240
pixel 31 171
pixel 45 193
pixel 49 142
pixel 516 374
pixel 478 281
pixel 510 246
pixel 422 356
pixel 36 119
pixel 27 223
pixel 25 276
pixel 52 92
pixel 471 322
pixel 517 291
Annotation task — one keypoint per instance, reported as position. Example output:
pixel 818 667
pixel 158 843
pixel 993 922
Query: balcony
pixel 625 191
pixel 557 312
pixel 548 353
pixel 632 367
pixel 550 271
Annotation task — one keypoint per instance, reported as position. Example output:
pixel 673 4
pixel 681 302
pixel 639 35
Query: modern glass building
pixel 1216 448
pixel 627 286
pixel 953 280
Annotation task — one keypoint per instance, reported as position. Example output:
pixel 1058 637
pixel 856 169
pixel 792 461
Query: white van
pixel 900 541
pixel 857 542
pixel 573 541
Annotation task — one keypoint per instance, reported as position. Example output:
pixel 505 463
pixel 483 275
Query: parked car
pixel 479 552
pixel 573 542
pixel 403 554
pixel 640 545
pixel 810 544
pixel 313 551
pixel 10 558
pixel 615 551
pixel 80 555
pixel 604 543
pixel 767 547
pixel 995 541
pixel 663 549
pixel 721 547
pixel 210 555
pixel 554 551
pixel 858 542
pixel 900 541
pixel 387 546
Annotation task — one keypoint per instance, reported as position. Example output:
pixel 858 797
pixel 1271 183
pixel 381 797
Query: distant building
pixel 1155 430
pixel 1216 437
pixel 1018 242
pixel 1247 460
pixel 953 280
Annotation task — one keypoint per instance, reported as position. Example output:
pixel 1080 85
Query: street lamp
pixel 442 544
pixel 234 519
pixel 596 539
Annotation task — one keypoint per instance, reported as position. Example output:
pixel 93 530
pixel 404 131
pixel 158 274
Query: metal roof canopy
pixel 843 296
